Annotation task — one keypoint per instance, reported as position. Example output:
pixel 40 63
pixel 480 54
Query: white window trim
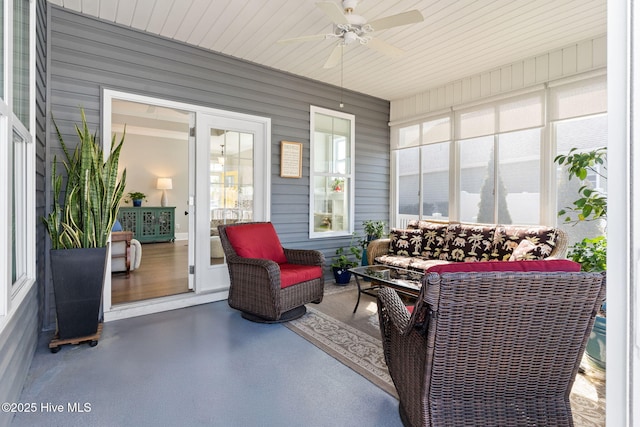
pixel 351 175
pixel 13 294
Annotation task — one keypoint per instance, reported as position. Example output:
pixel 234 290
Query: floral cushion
pixel 467 243
pixel 523 251
pixel 405 242
pixel 432 239
pixel 507 238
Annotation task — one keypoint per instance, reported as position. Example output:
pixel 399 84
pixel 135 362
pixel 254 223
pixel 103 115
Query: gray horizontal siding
pixel 18 341
pixel 88 54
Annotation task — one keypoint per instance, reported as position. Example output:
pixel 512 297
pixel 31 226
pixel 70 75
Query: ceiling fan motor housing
pixel 349 5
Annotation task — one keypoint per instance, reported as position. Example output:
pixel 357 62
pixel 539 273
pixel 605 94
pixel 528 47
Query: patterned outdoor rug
pixel 354 339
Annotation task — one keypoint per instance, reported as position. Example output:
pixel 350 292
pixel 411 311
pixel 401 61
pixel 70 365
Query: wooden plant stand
pixel 55 343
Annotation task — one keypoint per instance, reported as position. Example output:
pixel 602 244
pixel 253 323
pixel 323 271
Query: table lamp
pixel 164 184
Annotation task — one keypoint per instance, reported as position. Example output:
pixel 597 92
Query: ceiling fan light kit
pixel 350 27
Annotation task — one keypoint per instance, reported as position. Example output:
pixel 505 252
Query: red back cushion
pixel 534 265
pixel 256 241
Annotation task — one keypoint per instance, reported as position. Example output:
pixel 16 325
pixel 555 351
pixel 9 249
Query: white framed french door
pixel 232 185
pixel 247 140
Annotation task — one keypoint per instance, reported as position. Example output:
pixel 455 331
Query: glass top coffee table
pixel 407 282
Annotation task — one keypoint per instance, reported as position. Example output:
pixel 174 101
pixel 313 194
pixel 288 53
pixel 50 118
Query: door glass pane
pixel 435 181
pixel 586 134
pixel 230 183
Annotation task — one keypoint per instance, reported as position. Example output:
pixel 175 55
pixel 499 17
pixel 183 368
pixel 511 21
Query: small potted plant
pixel 373 230
pixel 345 259
pixel 136 197
pixel 590 253
pixel 337 185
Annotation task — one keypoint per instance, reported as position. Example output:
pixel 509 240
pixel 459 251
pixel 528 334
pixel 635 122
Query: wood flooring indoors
pixel 162 272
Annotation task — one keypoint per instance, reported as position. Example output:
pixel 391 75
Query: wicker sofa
pixel 426 243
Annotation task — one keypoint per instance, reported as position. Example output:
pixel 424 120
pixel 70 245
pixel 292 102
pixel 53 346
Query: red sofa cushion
pixel 291 274
pixel 256 241
pixel 533 265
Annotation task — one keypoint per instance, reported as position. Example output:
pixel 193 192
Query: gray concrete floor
pixel 199 366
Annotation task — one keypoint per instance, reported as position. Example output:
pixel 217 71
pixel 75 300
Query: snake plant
pixel 92 194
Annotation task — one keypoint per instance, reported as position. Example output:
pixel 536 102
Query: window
pixel 578 111
pixel 423 170
pixel 499 151
pixel 585 133
pixel 21 60
pixel 493 168
pixel 331 177
pixel 508 193
pixel 17 154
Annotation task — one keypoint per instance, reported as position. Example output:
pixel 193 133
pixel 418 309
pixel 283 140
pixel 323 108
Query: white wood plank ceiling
pixel 457 38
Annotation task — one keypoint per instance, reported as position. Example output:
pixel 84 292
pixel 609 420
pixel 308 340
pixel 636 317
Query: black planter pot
pixel 342 275
pixel 78 279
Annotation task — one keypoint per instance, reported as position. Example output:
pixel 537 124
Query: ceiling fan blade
pixel 303 39
pixel 333 11
pixel 335 56
pixel 410 17
pixel 384 47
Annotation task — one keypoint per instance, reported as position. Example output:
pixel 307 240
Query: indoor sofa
pixel 426 243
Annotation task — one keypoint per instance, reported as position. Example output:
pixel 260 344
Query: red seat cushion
pixel 532 265
pixel 291 274
pixel 257 240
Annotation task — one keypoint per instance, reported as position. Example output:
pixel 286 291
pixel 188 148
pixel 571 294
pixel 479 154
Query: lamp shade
pixel 164 184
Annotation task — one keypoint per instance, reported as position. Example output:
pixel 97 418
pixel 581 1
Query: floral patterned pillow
pixel 524 251
pixel 467 243
pixel 507 238
pixel 432 239
pixel 405 242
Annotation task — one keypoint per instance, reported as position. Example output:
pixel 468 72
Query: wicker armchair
pixel 269 283
pixel 491 349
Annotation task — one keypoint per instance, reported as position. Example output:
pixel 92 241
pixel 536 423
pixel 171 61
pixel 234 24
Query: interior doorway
pixel 154 242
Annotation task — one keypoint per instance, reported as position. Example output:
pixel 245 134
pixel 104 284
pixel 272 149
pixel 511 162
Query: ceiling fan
pixel 349 28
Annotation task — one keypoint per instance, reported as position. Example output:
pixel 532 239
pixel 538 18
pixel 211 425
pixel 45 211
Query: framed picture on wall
pixel 290 159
